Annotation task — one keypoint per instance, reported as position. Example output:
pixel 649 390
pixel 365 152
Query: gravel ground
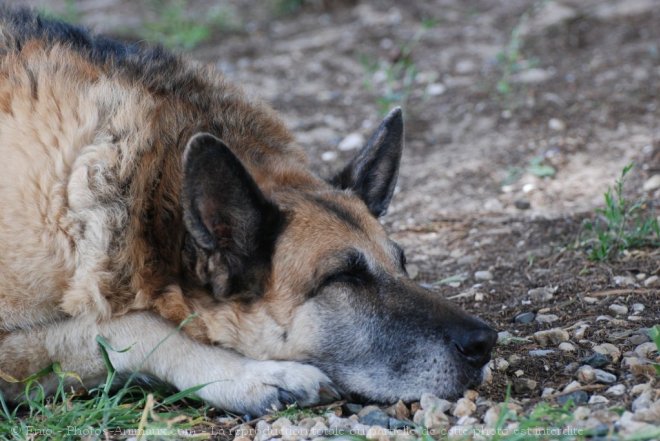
pixel 504 91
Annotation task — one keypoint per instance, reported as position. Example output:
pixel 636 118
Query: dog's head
pixel 309 274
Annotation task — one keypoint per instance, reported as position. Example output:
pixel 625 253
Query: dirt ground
pixel 499 86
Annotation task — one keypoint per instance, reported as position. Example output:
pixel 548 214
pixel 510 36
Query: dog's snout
pixel 476 345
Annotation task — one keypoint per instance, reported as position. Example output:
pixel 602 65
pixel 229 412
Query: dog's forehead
pixel 324 224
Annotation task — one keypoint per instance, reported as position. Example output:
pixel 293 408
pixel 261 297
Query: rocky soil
pixel 519 115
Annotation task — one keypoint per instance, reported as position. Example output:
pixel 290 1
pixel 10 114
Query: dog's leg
pixel 237 383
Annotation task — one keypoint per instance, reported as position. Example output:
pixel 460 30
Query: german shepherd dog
pixel 138 189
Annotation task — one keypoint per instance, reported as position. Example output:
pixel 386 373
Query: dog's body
pixel 138 188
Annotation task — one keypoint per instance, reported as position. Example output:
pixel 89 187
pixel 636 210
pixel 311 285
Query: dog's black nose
pixel 476 345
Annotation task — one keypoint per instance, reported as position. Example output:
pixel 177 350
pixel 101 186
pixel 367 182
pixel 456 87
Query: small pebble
pixel 608 349
pixel 547 391
pixel 492 416
pixel 604 377
pixel 572 386
pixel 524 385
pixel 328 156
pixel 597 360
pixel 578 397
pixel 598 399
pixel 651 281
pixel 524 317
pixel 551 337
pixel 586 374
pixel 589 300
pixel 638 307
pixel 464 407
pixel 431 402
pixel 541 352
pixel 616 390
pixel 566 347
pixel 557 125
pixel 501 364
pixel 483 275
pixel 352 142
pixel 546 318
pixel 619 309
pixel 646 350
pixel 580 331
pixel 542 294
pixel 624 281
pixel 375 418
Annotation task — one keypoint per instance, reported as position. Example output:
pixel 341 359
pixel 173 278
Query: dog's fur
pixel 138 188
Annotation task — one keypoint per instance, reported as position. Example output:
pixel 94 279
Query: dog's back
pixel 91 136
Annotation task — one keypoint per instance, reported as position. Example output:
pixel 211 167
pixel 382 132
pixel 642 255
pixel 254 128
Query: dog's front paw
pixel 266 386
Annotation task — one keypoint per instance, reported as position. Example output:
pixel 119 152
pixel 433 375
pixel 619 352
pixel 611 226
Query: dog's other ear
pixel 373 172
pixel 224 210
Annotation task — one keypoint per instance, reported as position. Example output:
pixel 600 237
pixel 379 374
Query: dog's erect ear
pixel 224 210
pixel 373 172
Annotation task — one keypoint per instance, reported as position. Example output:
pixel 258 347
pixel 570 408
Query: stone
pixel 652 183
pixel 624 281
pixel 431 402
pixel 483 275
pixel 376 418
pixel 616 390
pixel 566 347
pixel 547 391
pixel 471 394
pixel 572 386
pixel 328 156
pixel 619 309
pixel 532 76
pixel 571 368
pixel 524 385
pixel 514 359
pixel 522 204
pixel 557 125
pixel 436 89
pixel 638 307
pixel 580 331
pixel 604 377
pixel 597 360
pixel 541 352
pixel 638 339
pixel 464 407
pixel 524 317
pixel 500 364
pixel 598 399
pixel 399 411
pixel 650 414
pixel 542 294
pixel 491 416
pixel 546 318
pixel 581 412
pixel 643 401
pixel 551 336
pixel 651 281
pixel 608 349
pixel 578 397
pixel 646 350
pixel 397 424
pixel 586 374
pixel 589 300
pixel 433 419
pixel 352 142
